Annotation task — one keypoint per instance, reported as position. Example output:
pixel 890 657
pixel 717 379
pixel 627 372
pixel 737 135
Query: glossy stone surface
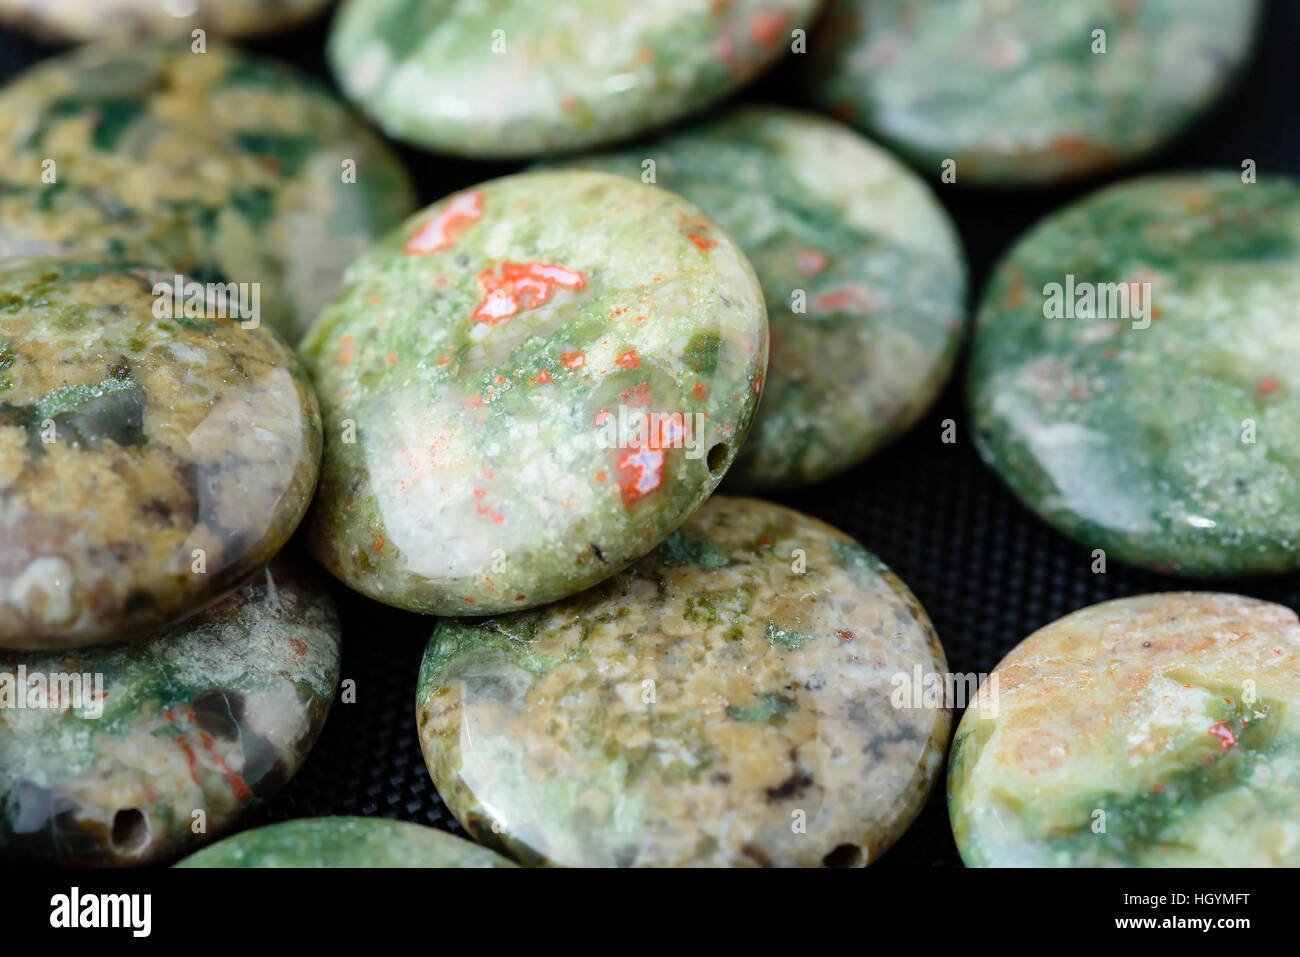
pixel 1169 442
pixel 724 702
pixel 216 165
pixel 504 78
pixel 214 715
pixel 1015 93
pixel 861 270
pixel 96 19
pixel 147 465
pixel 477 374
pixel 345 842
pixel 1161 730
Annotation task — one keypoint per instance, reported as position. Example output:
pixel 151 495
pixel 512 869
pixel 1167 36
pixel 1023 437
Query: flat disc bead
pixel 1154 731
pixel 509 78
pixel 527 387
pixel 147 465
pixel 189 730
pixel 729 700
pixel 344 842
pixel 219 165
pixel 1017 92
pixel 1157 426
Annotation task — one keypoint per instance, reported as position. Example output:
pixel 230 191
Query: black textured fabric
pixel 985 568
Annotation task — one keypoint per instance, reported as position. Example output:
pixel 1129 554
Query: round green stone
pixel 137 753
pixel 1164 430
pixel 526 387
pixel 147 465
pixel 729 700
pixel 82 20
pixel 1156 731
pixel 1014 92
pixel 507 78
pixel 217 165
pixel 344 842
pixel 860 267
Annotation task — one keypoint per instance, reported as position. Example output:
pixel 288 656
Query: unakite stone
pixel 146 465
pixel 136 753
pixel 860 267
pixel 94 19
pixel 730 700
pixel 511 78
pixel 1013 92
pixel 526 387
pixel 345 842
pixel 1161 730
pixel 1133 374
pixel 220 166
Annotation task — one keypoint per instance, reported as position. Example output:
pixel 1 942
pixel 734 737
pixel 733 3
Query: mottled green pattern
pixel 473 462
pixel 860 268
pixel 96 19
pixel 1172 446
pixel 216 165
pixel 726 701
pixel 146 465
pixel 213 715
pixel 511 78
pixel 1012 90
pixel 1156 731
pixel 344 842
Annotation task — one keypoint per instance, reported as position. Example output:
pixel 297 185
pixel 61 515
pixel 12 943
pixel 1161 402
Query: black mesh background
pixel 986 569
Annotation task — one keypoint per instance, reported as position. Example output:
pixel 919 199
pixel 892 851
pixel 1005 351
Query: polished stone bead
pixel 135 753
pixel 1161 730
pixel 527 387
pixel 147 465
pixel 217 165
pixel 736 698
pixel 1133 374
pixel 79 20
pixel 345 842
pixel 1015 91
pixel 506 78
pixel 861 270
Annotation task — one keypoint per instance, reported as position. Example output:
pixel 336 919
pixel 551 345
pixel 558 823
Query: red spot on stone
pixel 1226 738
pixel 844 635
pixel 702 242
pixel 1267 386
pixel 628 360
pixel 641 472
pixel 758 383
pixel 572 360
pixel 637 397
pixel 765 28
pixel 699 390
pixel 512 286
pixel 543 375
pixel 461 212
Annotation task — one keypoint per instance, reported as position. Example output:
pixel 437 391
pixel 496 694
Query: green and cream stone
pixel 516 78
pixel 732 699
pixel 136 753
pixel 1161 730
pixel 1017 91
pixel 345 842
pixel 1133 374
pixel 860 267
pixel 94 19
pixel 146 465
pixel 526 387
pixel 219 166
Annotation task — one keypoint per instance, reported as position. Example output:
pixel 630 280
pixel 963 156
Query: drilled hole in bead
pixel 717 457
pixel 130 830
